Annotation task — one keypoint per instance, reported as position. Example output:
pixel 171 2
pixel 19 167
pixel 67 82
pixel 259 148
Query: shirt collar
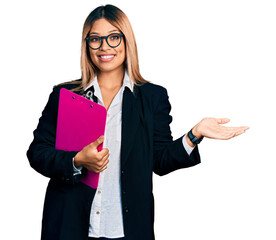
pixel 95 84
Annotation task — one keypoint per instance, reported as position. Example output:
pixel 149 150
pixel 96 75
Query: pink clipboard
pixel 80 122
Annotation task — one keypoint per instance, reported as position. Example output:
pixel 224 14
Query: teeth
pixel 107 56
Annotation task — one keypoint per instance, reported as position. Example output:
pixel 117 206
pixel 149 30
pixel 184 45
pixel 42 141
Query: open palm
pixel 212 128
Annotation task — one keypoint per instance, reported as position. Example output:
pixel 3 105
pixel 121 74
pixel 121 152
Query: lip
pixel 106 57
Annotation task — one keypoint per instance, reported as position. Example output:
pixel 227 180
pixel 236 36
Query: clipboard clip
pixel 89 94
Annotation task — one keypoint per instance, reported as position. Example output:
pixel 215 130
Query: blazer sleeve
pixel 169 155
pixel 42 155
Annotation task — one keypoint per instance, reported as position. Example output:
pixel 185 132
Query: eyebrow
pixel 108 32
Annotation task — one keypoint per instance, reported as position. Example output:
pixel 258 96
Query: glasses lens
pixel 114 40
pixel 94 42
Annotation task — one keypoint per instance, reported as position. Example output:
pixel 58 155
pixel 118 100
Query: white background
pixel 216 59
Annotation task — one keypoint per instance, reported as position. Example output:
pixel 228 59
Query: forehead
pixel 103 27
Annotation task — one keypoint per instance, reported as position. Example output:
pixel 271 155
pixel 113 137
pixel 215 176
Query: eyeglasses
pixel 113 40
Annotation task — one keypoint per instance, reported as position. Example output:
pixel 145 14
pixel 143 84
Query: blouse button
pixel 98 212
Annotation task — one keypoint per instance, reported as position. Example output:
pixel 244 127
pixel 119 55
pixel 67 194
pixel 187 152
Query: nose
pixel 104 44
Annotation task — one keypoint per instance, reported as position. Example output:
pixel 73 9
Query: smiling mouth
pixel 107 56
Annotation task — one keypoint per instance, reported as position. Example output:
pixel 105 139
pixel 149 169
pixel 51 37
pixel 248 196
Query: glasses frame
pixel 104 37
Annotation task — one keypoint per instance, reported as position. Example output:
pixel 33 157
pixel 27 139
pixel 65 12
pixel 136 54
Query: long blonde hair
pixel 117 18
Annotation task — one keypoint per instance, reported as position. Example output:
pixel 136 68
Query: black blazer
pixel 147 147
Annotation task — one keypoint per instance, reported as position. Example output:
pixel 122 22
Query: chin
pixel 109 68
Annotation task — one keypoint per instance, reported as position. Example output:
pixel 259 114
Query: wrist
pixel 189 141
pixel 196 131
pixel 77 160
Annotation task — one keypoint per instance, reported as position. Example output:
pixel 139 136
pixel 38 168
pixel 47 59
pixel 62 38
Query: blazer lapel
pixel 130 121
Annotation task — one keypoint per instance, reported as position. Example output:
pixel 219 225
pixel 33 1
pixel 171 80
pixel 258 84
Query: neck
pixel 111 80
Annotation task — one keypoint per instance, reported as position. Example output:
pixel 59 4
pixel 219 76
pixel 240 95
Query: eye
pixel 94 39
pixel 114 37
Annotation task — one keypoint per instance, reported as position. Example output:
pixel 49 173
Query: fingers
pixel 228 134
pixel 102 169
pixel 96 143
pixel 101 164
pixel 103 153
pixel 240 132
pixel 104 165
pixel 235 128
pixel 105 158
pixel 222 120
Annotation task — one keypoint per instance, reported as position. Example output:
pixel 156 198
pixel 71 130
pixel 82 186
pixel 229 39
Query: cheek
pixel 122 53
pixel 92 55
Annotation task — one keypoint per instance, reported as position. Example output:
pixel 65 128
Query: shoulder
pixel 54 95
pixel 152 90
pixel 153 96
pixel 68 85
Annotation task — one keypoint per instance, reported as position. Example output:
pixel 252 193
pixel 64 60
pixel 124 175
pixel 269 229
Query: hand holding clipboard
pixel 91 158
pixel 80 123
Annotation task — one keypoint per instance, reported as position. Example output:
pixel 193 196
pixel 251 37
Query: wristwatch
pixel 193 138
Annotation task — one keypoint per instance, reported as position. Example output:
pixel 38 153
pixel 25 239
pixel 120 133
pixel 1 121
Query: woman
pixel 137 142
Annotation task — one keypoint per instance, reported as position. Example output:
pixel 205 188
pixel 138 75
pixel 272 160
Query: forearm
pixel 50 162
pixel 173 156
pixel 169 155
